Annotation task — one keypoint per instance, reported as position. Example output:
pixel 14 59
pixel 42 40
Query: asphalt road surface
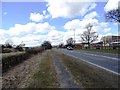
pixel 109 62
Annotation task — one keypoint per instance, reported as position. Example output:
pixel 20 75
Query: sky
pixel 33 23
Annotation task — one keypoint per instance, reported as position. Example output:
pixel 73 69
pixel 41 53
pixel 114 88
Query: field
pixel 113 51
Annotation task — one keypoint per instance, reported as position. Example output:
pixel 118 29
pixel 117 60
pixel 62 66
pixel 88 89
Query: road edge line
pixel 94 64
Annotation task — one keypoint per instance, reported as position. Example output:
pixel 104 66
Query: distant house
pixel 111 40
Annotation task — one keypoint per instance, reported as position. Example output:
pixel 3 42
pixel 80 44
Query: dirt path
pixel 20 75
pixel 64 76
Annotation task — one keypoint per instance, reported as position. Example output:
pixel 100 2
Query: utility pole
pixel 74 35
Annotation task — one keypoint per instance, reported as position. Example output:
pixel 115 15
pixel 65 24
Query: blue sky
pixel 19 12
pixel 39 21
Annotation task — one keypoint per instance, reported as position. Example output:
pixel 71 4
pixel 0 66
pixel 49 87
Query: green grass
pixel 45 77
pixel 113 51
pixel 87 75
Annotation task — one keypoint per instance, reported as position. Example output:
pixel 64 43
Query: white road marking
pixel 94 64
pixel 103 56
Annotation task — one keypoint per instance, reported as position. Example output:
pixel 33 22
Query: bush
pixel 6 50
pixel 10 61
pixel 34 50
pixel 19 48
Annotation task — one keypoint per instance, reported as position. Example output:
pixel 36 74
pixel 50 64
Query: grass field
pixel 45 77
pixel 113 51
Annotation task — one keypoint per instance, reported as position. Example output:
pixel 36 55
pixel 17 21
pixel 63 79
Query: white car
pixel 69 48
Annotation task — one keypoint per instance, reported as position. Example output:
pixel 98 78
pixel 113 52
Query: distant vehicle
pixel 69 48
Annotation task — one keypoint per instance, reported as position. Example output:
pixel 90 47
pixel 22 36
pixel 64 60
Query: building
pixel 111 40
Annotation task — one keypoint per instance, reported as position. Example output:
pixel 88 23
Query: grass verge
pixel 113 51
pixel 89 76
pixel 45 77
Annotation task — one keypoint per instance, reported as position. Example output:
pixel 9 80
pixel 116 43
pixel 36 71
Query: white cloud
pixel 69 8
pixel 28 32
pixel 103 24
pixel 44 12
pixel 112 4
pixel 43 28
pixel 29 40
pixel 91 15
pixel 55 37
pixel 36 17
pixel 28 28
pixel 106 30
pixel 2 32
pixel 80 24
pixel 72 24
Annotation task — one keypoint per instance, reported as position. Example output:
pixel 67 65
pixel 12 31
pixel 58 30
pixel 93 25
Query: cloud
pixel 36 17
pixel 106 30
pixel 112 4
pixel 80 24
pixel 69 8
pixel 28 32
pixel 72 24
pixel 29 40
pixel 44 12
pixel 28 28
pixel 55 37
pixel 91 15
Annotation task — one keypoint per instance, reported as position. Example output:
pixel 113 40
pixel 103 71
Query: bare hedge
pixel 12 60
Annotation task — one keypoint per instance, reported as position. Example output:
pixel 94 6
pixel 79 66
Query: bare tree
pixel 9 43
pixel 70 42
pixel 89 35
pixel 113 15
pixel 61 45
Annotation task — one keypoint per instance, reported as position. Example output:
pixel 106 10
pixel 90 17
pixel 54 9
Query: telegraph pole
pixel 74 35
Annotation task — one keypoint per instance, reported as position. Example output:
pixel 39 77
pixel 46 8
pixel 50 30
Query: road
pixel 105 61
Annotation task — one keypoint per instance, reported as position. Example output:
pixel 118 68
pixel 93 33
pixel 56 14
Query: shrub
pixel 34 50
pixel 11 60
pixel 6 50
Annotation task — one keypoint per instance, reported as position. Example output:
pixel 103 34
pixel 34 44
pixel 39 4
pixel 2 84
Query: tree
pixel 89 35
pixel 20 47
pixel 113 15
pixel 61 45
pixel 70 42
pixel 9 43
pixel 46 45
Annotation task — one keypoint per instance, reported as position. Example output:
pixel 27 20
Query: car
pixel 69 48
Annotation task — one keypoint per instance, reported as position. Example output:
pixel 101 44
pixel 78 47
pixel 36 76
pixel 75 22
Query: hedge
pixel 11 59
